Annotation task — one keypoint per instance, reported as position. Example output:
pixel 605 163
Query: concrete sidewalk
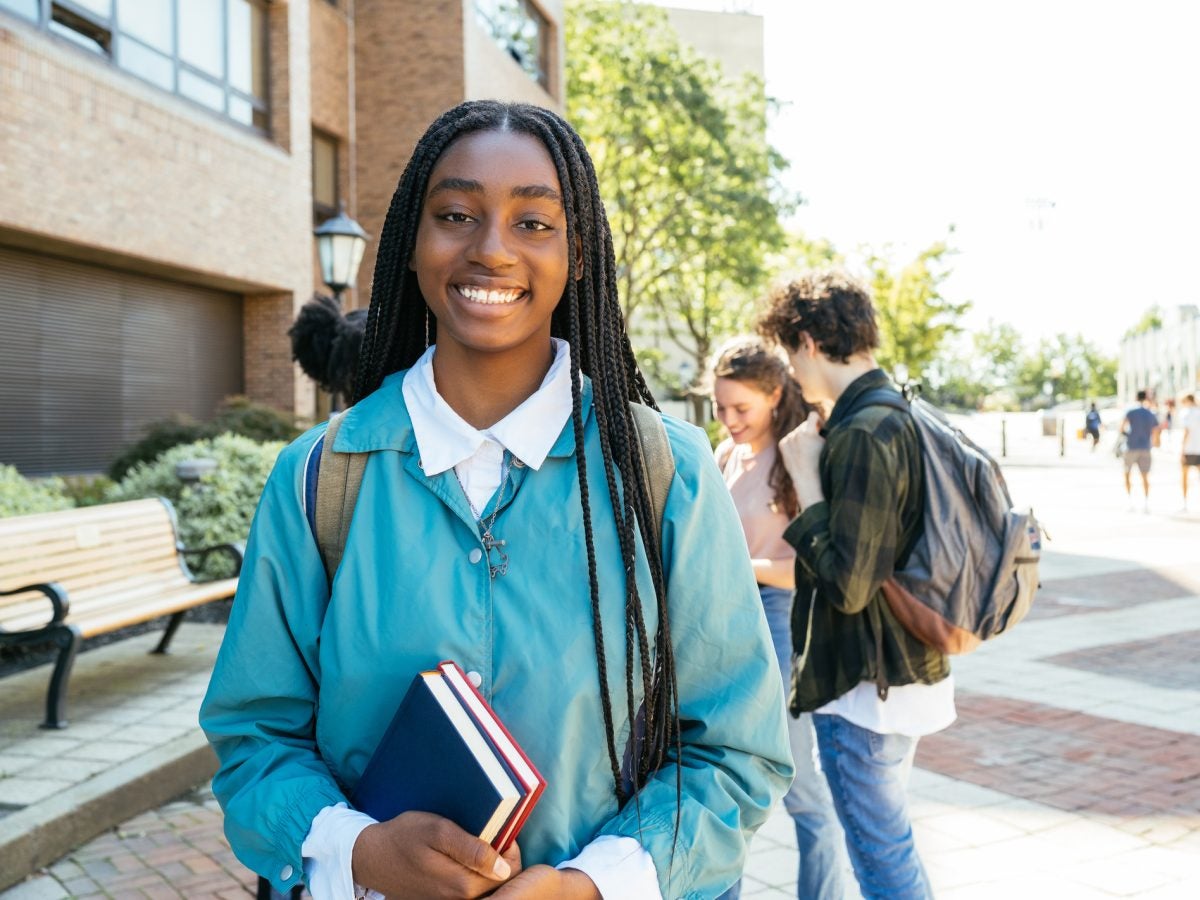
pixel 1072 772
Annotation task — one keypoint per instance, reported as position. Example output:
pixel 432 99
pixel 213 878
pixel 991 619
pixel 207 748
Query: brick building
pixel 162 164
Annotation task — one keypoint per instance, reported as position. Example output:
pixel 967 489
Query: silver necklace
pixel 500 567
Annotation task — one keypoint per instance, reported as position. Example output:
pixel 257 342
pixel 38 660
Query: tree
pixel 914 317
pixel 976 372
pixel 688 178
pixel 1066 367
pixel 1151 320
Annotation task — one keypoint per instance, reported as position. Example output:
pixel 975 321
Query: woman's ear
pixel 578 258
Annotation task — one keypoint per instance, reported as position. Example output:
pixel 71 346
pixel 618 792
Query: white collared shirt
pixel 619 866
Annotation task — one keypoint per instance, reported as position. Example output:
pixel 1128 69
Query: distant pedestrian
pixel 1091 425
pixel 758 404
pixel 1190 457
pixel 872 687
pixel 1166 422
pixel 1140 429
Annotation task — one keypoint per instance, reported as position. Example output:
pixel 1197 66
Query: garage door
pixel 89 356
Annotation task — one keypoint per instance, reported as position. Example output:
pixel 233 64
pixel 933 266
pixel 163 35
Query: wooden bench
pixel 70 575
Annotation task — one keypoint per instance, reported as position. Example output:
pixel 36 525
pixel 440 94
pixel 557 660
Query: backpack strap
pixel 658 465
pixel 332 480
pixel 339 477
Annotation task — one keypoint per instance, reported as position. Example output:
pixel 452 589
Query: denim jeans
pixel 868 776
pixel 822 854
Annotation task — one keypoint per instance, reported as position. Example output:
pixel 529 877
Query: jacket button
pixel 518 463
pixel 285 873
pixel 475 555
pixel 475 678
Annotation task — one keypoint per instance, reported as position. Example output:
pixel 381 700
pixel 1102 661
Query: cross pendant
pixel 490 543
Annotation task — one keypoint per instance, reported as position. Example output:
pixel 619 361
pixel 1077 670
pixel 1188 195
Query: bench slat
pixel 72 540
pixel 36 610
pixel 19 532
pixel 77 570
pixel 114 617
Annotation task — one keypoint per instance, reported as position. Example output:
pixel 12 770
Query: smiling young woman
pixel 493 400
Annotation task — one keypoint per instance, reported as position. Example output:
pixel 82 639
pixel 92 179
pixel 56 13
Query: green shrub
pixel 716 432
pixel 20 496
pixel 160 437
pixel 86 490
pixel 237 415
pixel 217 509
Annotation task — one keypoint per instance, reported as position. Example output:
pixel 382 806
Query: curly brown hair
pixel 828 305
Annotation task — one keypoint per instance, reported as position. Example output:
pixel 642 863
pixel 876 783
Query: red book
pixel 506 747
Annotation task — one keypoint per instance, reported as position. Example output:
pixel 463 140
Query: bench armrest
pixel 54 591
pixel 236 550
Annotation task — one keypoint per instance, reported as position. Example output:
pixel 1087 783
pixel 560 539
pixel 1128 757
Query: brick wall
pixel 95 159
pixel 408 70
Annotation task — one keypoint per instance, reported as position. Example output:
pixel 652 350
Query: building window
pixel 214 52
pixel 521 30
pixel 324 176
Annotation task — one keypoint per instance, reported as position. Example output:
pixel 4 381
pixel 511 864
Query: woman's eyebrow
pixel 456 184
pixel 536 192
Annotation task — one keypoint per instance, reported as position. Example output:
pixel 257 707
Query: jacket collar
pixel 381 421
pixel 868 381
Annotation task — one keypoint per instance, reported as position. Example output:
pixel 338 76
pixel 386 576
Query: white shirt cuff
pixel 620 868
pixel 328 853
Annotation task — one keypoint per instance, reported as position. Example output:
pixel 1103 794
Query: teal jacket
pixel 307 679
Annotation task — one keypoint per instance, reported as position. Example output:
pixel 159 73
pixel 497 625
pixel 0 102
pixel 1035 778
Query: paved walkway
pixel 1072 772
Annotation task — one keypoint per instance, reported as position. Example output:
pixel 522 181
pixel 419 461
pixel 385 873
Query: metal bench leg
pixel 172 627
pixel 266 892
pixel 67 640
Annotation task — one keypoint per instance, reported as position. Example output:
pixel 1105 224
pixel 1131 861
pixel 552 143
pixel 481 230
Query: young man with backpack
pixel 873 688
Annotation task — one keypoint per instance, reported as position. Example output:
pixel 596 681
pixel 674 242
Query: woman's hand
pixel 546 883
pixel 419 854
pixel 801 453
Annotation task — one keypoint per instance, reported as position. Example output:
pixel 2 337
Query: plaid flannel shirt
pixel 848 545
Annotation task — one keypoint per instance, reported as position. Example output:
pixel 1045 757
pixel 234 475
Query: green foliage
pixel 86 490
pixel 237 415
pixel 689 181
pixel 715 431
pixel 976 372
pixel 914 317
pixel 1151 320
pixel 1066 367
pixel 20 496
pixel 220 507
pixel 799 253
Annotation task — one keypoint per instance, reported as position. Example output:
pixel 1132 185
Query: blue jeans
pixel 822 857
pixel 868 776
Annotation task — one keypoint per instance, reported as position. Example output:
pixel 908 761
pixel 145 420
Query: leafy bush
pixel 19 496
pixel 716 432
pixel 86 490
pixel 218 508
pixel 238 415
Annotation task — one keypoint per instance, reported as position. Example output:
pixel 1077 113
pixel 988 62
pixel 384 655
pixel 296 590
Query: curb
pixel 42 833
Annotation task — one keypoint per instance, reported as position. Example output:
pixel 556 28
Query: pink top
pixel 747 475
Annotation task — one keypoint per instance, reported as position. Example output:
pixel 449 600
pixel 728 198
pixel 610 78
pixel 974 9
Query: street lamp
pixel 340 245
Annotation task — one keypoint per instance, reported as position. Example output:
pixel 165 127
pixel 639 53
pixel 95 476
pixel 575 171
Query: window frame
pixel 530 11
pixel 106 32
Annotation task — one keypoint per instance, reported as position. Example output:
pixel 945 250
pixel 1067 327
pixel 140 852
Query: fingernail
pixel 501 869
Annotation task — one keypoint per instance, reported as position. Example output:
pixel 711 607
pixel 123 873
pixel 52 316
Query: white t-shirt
pixel 1191 421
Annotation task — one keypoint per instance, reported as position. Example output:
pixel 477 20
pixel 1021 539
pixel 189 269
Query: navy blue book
pixel 433 758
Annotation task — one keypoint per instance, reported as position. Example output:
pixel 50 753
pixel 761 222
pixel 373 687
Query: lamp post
pixel 340 245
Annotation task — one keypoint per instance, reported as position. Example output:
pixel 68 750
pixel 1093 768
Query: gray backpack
pixel 973 571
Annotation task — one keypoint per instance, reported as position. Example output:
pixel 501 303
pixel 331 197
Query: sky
pixel 1059 138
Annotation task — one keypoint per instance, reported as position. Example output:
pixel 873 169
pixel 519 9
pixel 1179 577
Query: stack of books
pixel 446 752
